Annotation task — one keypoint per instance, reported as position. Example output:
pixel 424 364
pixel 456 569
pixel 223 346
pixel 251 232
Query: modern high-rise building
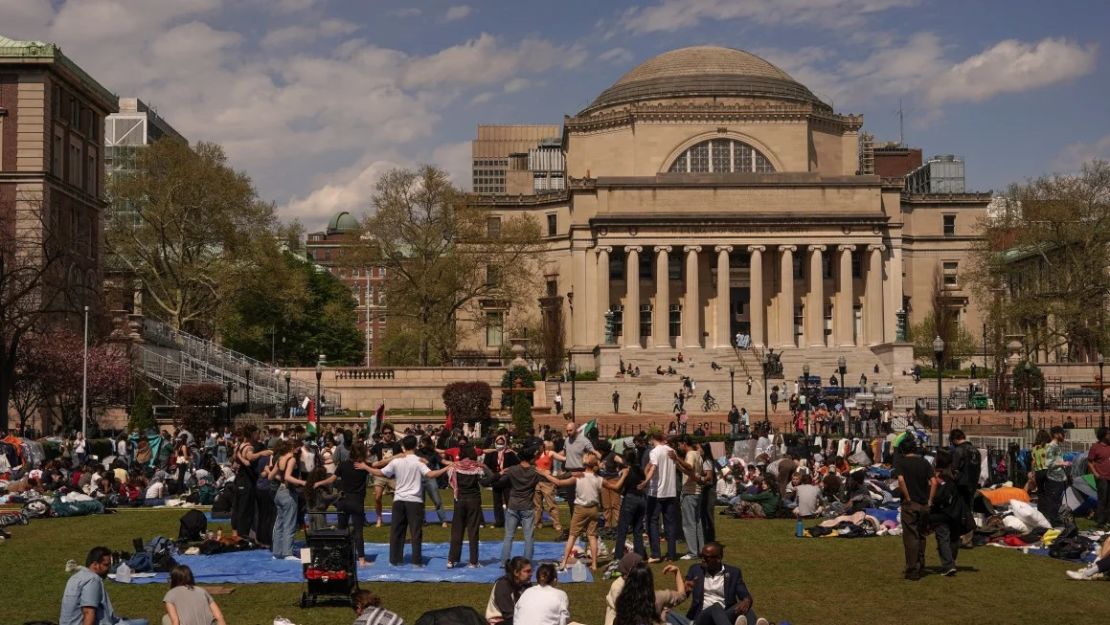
pixel 52 171
pixel 507 159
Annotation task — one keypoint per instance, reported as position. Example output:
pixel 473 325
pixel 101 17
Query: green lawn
pixel 804 581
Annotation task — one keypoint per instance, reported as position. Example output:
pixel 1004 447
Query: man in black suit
pixel 717 590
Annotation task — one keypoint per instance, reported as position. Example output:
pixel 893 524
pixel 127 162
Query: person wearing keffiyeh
pixel 467 477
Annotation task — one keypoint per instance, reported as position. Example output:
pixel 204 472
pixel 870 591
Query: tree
pixel 142 418
pixel 444 258
pixel 299 313
pixel 942 321
pixel 1048 249
pixel 552 333
pixel 522 414
pixel 42 281
pixel 200 232
pixel 197 407
pixel 468 402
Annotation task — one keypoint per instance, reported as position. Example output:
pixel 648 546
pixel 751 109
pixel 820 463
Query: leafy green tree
pixel 141 418
pixel 522 414
pixel 197 233
pixel 295 312
pixel 444 256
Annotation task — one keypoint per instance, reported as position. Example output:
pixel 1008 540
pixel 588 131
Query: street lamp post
pixel 1028 395
pixel 84 382
pixel 842 368
pixel 228 412
pixel 938 353
pixel 1101 393
pixel 319 374
pixel 288 400
pixel 732 385
pixel 248 376
pixel 763 362
pixel 573 397
pixel 805 392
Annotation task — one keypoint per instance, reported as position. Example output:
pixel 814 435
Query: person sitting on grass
pixel 718 594
pixel 764 504
pixel 1097 569
pixel 587 501
pixel 85 600
pixel 188 605
pixel 507 590
pixel 368 607
pixel 543 604
pixel 637 604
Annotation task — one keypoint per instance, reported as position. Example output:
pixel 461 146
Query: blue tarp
pixel 259 567
pixel 387 517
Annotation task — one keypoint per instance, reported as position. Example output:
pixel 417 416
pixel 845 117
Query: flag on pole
pixel 586 428
pixel 376 420
pixel 450 424
pixel 311 429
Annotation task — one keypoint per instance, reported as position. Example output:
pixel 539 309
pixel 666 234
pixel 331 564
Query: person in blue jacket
pixel 718 595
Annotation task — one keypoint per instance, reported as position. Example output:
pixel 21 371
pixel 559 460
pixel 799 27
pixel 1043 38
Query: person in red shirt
pixel 1098 460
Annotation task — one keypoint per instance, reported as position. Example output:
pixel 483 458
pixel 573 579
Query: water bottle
pixel 578 572
pixel 123 574
pixel 799 529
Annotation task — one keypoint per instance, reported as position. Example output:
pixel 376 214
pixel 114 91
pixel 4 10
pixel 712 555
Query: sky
pixel 315 99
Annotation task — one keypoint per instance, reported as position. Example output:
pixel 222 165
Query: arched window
pixel 721 156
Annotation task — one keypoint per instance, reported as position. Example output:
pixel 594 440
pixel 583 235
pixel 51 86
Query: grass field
pixel 805 581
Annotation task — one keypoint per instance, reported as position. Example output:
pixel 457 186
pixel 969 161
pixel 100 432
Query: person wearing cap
pixel 664 599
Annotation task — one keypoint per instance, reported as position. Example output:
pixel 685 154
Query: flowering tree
pixel 50 375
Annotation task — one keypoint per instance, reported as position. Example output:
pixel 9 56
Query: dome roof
pixel 342 222
pixel 703 71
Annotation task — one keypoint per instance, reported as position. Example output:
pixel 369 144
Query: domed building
pixel 709 194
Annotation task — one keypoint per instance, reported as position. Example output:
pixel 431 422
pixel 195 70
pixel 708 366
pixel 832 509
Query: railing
pixel 364 374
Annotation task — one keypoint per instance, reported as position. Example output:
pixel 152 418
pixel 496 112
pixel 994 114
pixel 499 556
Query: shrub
pixel 197 407
pixel 586 376
pixel 142 412
pixel 509 380
pixel 522 413
pixel 468 401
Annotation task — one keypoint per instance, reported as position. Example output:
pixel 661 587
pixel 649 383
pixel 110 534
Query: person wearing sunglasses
pixel 718 594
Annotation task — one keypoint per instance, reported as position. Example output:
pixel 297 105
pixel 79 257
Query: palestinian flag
pixel 450 421
pixel 376 420
pixel 586 428
pixel 311 429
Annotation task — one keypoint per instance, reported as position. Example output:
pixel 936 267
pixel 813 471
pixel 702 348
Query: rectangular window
pixel 618 319
pixel 495 328
pixel 552 225
pixel 645 265
pixel 57 155
pixel 857 265
pixel 949 225
pixel 722 155
pixel 493 227
pixel 493 275
pixel 827 266
pixel 552 288
pixel 91 177
pixel 645 319
pixel 56 102
pixel 799 267
pixel 74 114
pixel 616 267
pixel 356 293
pixel 951 269
pixel 75 164
pixel 674 320
pixel 674 267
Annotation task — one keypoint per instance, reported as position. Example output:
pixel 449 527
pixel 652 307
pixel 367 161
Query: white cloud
pixel 517 84
pixel 1011 66
pixel 290 35
pixel 351 192
pixel 616 55
pixel 405 12
pixel 483 97
pixel 294 6
pixel 23 16
pixel 485 60
pixel 457 12
pixel 672 15
pixel 1072 157
pixel 456 159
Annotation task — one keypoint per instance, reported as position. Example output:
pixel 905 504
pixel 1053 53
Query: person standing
pixel 734 421
pixel 914 475
pixel 498 459
pixel 662 497
pixel 352 475
pixel 750 382
pixel 609 469
pixel 575 445
pixel 408 500
pixel 966 466
pixel 544 499
pixel 616 400
pixel 85 600
pixel 244 507
pixel 466 477
pixel 587 504
pixel 633 504
pixel 947 511
pixel 428 452
pixel 1098 460
pixel 382 452
pixel 559 401
pixel 1056 481
pixel 285 472
pixel 690 463
pixel 519 481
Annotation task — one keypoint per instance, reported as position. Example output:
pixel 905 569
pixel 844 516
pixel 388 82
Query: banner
pixel 311 429
pixel 375 420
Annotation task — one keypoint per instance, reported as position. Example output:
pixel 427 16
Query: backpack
pixel 972 465
pixel 160 551
pixel 193 525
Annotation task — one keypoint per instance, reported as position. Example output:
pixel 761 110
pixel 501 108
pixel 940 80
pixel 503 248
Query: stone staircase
pixel 657 391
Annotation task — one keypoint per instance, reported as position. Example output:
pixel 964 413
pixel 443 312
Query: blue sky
pixel 316 98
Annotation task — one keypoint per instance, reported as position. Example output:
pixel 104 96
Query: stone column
pixel 579 305
pixel 843 313
pixel 786 295
pixel 873 326
pixel 815 301
pixel 632 299
pixel 602 304
pixel 723 300
pixel 661 330
pixel 756 304
pixel 691 307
